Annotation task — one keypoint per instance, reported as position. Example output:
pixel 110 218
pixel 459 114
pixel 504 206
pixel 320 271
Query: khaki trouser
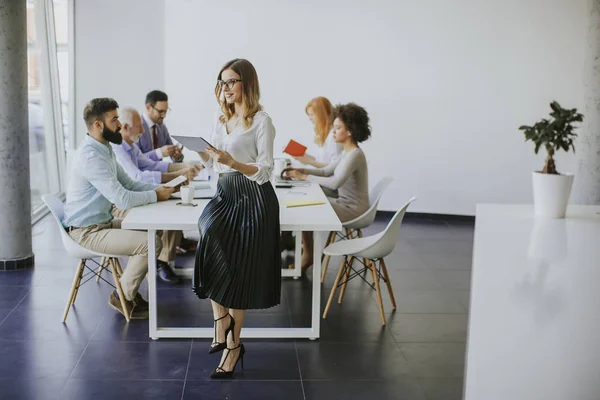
pixel 111 239
pixel 170 239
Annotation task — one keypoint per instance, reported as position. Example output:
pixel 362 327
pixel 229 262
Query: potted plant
pixel 551 189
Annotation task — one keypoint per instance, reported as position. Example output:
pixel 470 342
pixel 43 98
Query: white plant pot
pixel 551 194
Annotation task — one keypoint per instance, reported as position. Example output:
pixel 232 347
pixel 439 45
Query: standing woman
pixel 320 113
pixel 238 264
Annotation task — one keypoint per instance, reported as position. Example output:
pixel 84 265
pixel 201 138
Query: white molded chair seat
pixel 57 209
pixel 368 251
pixel 359 223
pixel 74 249
pixel 352 247
pixel 367 218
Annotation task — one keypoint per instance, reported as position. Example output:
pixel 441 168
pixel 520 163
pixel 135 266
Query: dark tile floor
pixel 96 355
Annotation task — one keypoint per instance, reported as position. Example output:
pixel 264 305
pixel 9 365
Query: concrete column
pixel 586 187
pixel 15 199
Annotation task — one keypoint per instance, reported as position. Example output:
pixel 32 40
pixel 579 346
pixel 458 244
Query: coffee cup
pixel 280 165
pixel 187 194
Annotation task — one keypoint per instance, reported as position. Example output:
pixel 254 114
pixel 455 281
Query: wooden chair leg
pixel 119 268
pixel 78 283
pixel 119 289
pixel 330 239
pixel 76 278
pixel 348 270
pixel 378 290
pixel 100 268
pixel 335 284
pixel 388 282
pixel 349 233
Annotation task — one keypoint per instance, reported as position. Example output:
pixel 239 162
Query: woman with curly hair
pixel 348 174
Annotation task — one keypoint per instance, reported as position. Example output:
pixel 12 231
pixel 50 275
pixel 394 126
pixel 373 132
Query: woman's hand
pixel 204 155
pixel 305 159
pixel 221 157
pixel 294 173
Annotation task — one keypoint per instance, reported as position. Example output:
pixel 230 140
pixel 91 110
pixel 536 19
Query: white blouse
pixel 253 146
pixel 330 150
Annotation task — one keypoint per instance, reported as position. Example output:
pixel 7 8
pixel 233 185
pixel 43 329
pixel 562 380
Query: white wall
pixel 119 52
pixel 447 83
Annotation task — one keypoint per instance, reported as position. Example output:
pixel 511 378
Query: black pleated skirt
pixel 238 263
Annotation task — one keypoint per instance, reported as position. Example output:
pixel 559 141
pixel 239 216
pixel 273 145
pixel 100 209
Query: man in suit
pixel 155 142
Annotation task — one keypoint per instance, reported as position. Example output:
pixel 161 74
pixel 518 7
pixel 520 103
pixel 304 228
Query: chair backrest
pixel 368 216
pixel 386 240
pixel 378 189
pixel 57 209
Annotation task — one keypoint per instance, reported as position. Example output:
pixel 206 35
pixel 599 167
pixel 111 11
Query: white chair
pixel 355 226
pixel 74 249
pixel 368 251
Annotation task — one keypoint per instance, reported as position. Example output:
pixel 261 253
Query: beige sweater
pixel 348 175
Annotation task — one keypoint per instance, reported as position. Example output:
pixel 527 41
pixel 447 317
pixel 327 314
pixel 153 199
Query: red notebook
pixel 295 149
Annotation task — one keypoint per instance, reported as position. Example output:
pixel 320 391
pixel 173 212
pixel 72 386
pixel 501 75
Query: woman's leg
pixel 307 250
pixel 227 362
pixel 223 323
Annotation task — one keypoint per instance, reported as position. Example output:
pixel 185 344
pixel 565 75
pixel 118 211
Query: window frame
pixel 50 98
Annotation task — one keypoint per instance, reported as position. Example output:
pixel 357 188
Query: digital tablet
pixel 177 181
pixel 193 143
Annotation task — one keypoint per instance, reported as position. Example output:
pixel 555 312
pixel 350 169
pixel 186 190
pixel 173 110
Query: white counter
pixel 534 322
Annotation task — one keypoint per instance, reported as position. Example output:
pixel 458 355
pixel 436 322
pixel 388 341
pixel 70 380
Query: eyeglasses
pixel 162 112
pixel 230 83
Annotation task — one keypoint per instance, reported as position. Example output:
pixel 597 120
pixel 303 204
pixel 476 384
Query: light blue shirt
pixel 137 165
pixel 97 182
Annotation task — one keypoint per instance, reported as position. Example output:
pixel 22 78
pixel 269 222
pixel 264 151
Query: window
pixel 37 133
pixel 48 95
pixel 61 29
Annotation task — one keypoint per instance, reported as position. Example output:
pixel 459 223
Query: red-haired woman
pixel 320 112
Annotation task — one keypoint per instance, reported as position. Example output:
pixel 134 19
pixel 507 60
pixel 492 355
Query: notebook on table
pixel 301 203
pixel 295 149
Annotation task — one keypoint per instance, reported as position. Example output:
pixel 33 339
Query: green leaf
pixel 555 133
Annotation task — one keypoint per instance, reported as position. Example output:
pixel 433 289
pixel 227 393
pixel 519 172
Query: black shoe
pixel 140 302
pixel 166 274
pixel 220 346
pixel 220 373
pixel 134 312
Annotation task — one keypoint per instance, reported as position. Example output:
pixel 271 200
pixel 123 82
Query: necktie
pixel 154 136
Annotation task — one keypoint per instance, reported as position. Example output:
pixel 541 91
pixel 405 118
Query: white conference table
pixel 169 216
pixel 535 293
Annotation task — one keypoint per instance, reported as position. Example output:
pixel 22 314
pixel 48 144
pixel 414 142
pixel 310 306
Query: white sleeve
pixel 265 138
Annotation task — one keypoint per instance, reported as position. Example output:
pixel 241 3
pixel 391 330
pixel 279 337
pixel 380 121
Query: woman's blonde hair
pixel 250 91
pixel 323 111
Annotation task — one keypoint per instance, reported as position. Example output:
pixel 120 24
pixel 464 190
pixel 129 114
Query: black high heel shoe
pixel 218 346
pixel 220 373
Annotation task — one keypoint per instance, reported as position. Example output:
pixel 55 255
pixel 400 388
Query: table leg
pixel 153 317
pixel 316 303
